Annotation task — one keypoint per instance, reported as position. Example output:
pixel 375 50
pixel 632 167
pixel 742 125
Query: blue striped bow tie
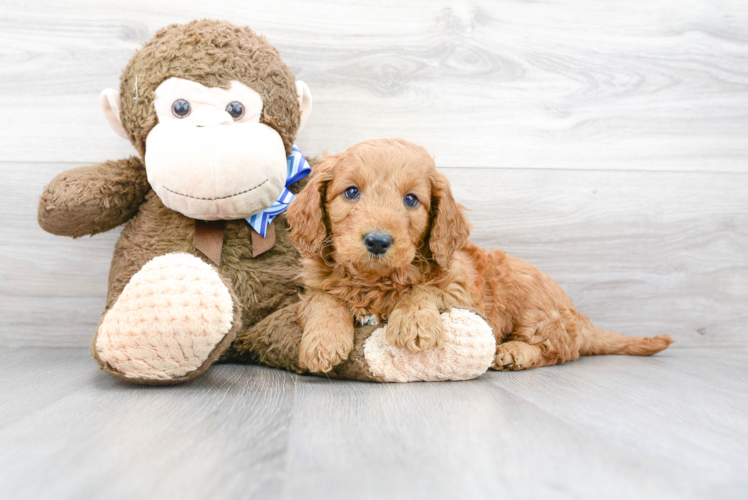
pixel 298 168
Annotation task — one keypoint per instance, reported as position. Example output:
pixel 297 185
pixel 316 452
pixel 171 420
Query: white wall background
pixel 604 141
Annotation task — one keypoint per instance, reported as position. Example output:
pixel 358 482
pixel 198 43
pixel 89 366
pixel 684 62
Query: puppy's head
pixel 377 206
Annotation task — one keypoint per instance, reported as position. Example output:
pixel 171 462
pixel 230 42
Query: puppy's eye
pixel 410 200
pixel 181 108
pixel 352 193
pixel 235 109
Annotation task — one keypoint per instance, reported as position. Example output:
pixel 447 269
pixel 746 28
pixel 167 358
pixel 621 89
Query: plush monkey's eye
pixel 235 109
pixel 181 108
pixel 410 200
pixel 352 193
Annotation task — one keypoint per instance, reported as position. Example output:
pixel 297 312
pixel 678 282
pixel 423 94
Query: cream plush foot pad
pixel 467 352
pixel 169 318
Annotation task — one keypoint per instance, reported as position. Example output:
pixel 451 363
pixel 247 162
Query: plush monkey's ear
pixel 305 101
pixel 450 228
pixel 306 212
pixel 110 105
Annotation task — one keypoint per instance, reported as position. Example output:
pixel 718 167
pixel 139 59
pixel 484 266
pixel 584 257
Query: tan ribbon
pixel 209 238
pixel 261 245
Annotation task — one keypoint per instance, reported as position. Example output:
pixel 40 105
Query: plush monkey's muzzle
pixel 216 170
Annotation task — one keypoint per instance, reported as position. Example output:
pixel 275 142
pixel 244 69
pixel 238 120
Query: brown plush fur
pixel 275 342
pixel 259 286
pixel 93 199
pixel 211 53
pixel 431 266
pixel 90 200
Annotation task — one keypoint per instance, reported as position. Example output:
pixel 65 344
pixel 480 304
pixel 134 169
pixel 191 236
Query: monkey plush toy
pixel 204 270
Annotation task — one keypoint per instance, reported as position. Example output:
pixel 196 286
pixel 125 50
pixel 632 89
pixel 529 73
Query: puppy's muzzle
pixel 377 243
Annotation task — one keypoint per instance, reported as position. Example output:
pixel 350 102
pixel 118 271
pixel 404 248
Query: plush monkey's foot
pixel 466 350
pixel 174 318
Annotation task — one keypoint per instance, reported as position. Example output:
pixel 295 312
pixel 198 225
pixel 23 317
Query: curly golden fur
pixel 429 267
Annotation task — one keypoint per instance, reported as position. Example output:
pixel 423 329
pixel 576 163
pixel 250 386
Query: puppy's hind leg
pixel 540 338
pixel 517 355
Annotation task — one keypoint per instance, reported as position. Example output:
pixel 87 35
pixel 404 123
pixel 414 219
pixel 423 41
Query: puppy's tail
pixel 599 341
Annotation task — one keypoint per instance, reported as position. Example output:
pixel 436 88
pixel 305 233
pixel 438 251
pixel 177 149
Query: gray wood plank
pixel 33 378
pixel 222 436
pixel 668 427
pixel 596 428
pixel 640 252
pixel 579 84
pixel 670 409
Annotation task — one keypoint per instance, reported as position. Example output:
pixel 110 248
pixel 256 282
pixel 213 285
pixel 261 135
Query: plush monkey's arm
pixel 275 342
pixel 90 200
pixel 467 351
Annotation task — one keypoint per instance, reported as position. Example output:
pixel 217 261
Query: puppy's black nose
pixel 377 243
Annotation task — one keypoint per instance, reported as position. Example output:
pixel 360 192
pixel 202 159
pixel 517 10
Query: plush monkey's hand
pixel 90 200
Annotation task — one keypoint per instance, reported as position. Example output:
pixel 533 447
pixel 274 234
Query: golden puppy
pixel 382 239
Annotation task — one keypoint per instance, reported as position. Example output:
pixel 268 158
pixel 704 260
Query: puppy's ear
pixel 306 212
pixel 450 228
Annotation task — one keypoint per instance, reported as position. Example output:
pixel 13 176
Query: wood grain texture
pixel 604 143
pixel 226 433
pixel 674 426
pixel 640 252
pixel 578 84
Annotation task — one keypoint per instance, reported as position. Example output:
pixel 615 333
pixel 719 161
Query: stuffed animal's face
pixel 209 157
pixel 214 112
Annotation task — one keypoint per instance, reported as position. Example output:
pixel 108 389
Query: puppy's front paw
pixel 321 350
pixel 418 328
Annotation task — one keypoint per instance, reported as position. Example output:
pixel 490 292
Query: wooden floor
pixel 672 426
